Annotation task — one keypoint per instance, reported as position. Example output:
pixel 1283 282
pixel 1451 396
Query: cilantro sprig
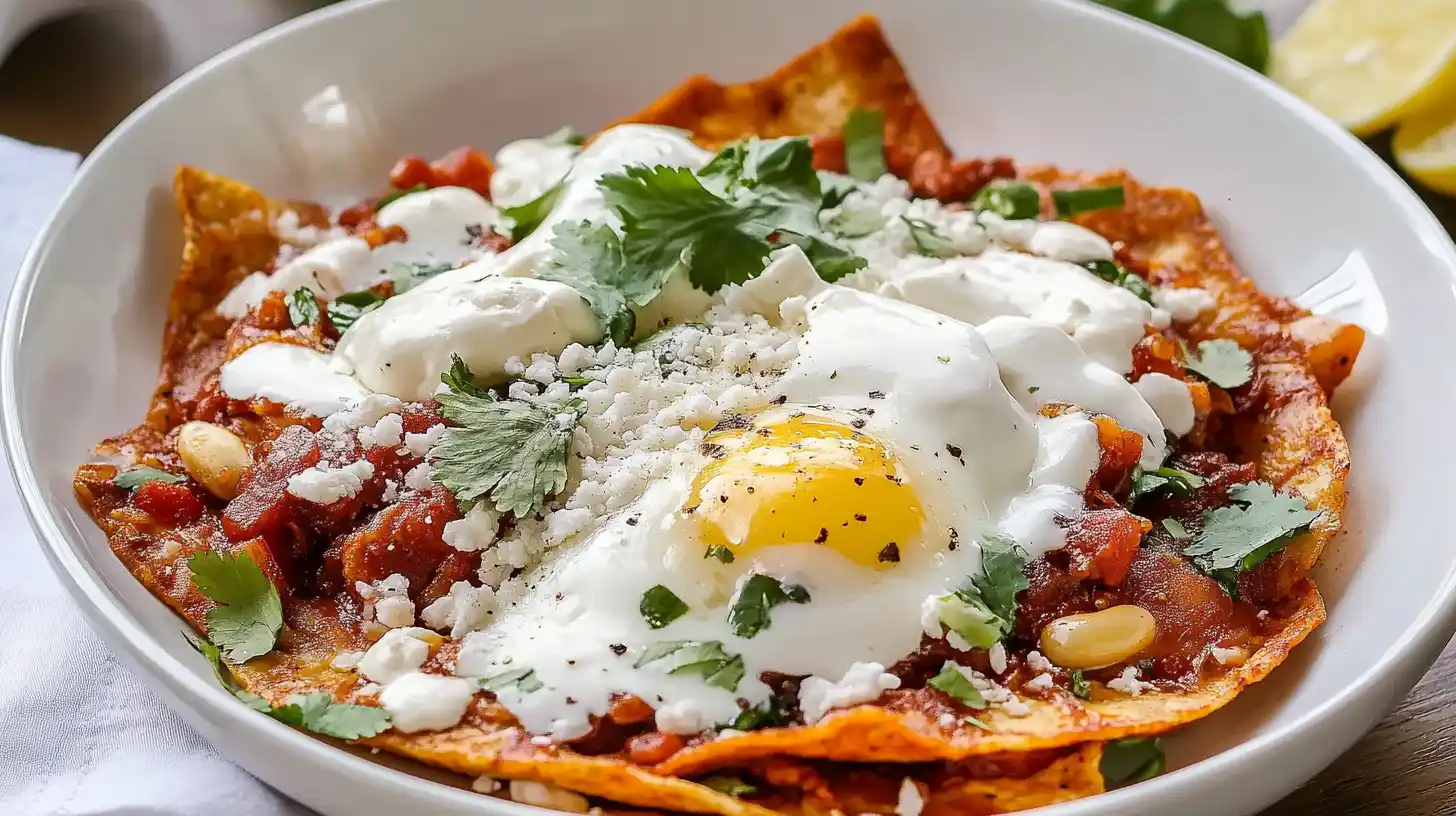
pixel 316 712
pixel 703 658
pixel 661 606
pixel 760 593
pixel 345 310
pixel 249 612
pixel 589 259
pixel 1218 24
pixel 407 276
pixel 927 240
pixel 1172 480
pixel 510 450
pixel 1137 759
pixel 984 610
pixel 1119 276
pixel 1222 362
pixel 525 218
pixel 953 682
pixel 773 712
pixel 523 680
pixel 1238 538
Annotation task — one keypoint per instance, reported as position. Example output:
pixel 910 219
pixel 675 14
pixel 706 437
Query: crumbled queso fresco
pixel 932 362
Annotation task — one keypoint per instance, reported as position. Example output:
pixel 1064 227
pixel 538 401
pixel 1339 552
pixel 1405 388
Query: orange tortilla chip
pixel 809 96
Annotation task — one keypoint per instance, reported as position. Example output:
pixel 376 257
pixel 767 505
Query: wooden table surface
pixel 70 82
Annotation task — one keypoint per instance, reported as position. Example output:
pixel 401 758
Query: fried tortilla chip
pixel 809 96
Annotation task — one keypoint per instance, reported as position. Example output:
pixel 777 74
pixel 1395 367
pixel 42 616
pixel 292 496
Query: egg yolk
pixel 801 479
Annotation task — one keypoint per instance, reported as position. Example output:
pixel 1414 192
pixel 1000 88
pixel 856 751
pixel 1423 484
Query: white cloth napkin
pixel 79 734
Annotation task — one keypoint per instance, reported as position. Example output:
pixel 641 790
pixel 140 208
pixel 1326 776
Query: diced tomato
pixel 628 709
pixel 1103 543
pixel 1156 353
pixel 410 172
pixel 273 312
pixel 828 152
pixel 168 503
pixel 463 167
pixel 1121 450
pixel 653 747
pixel 406 538
pixel 358 217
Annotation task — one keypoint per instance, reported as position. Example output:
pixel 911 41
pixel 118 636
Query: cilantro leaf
pixel 830 261
pixel 661 606
pixel 984 610
pixel 864 144
pixel 1222 362
pixel 394 194
pixel 769 714
pixel 224 675
pixel 1240 34
pixel 249 612
pixel 759 594
pixel 1177 481
pixel 836 189
pixel 1176 529
pixel 135 477
pixel 669 221
pixel 1126 761
pixel 345 310
pixel 719 552
pixel 319 713
pixel 512 450
pixel 524 680
pixel 730 785
pixel 703 658
pixel 1117 275
pixel 564 135
pixel 927 241
pixel 1012 200
pixel 1079 685
pixel 856 223
pixel 407 276
pixel 303 306
pixel 525 218
pixel 1003 575
pixel 589 260
pixel 774 174
pixel 461 379
pixel 1237 538
pixel 958 686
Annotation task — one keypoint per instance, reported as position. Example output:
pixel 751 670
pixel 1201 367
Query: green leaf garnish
pixel 770 714
pixel 345 310
pixel 958 686
pixel 856 223
pixel 407 276
pixel 524 680
pixel 927 241
pixel 1126 761
pixel 511 450
pixel 984 610
pixel 1079 685
pixel 1176 529
pixel 836 189
pixel 461 379
pixel 589 260
pixel 315 712
pixel 303 306
pixel 1238 538
pixel 864 144
pixel 394 194
pixel 720 225
pixel 525 218
pixel 1222 362
pixel 760 593
pixel 1087 199
pixel 719 552
pixel 730 785
pixel 1177 481
pixel 1240 34
pixel 661 606
pixel 136 477
pixel 703 658
pixel 1118 276
pixel 249 613
pixel 1012 200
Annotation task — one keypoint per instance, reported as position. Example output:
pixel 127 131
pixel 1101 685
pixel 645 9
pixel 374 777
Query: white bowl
pixel 321 106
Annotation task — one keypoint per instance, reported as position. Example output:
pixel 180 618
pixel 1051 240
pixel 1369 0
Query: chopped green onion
pixel 1012 200
pixel 1089 199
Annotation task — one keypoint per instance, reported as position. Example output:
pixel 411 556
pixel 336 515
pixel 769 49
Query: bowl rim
pixel 1429 630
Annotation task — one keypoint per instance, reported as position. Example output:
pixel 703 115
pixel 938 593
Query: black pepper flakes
pixel 618 649
pixel 856 423
pixel 861 517
pixel 877 395
pixel 859 481
pixel 734 422
pixel 632 521
pixel 779 400
pixel 712 450
pixel 823 535
pixel 890 554
pixel 955 450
